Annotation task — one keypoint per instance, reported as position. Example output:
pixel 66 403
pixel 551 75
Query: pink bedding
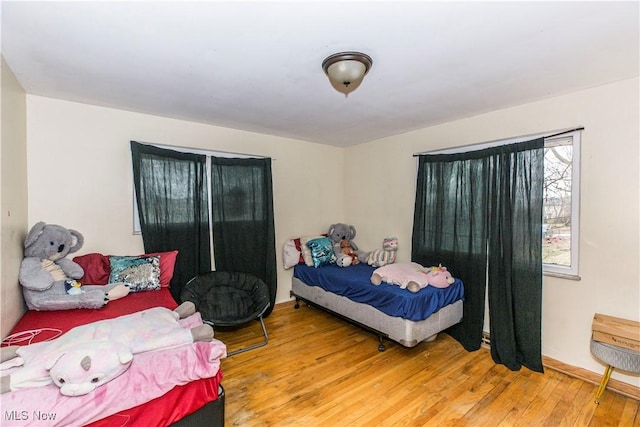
pixel 151 375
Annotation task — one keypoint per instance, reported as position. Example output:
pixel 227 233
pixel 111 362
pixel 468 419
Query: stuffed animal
pixel 438 277
pixel 386 255
pixel 50 280
pixel 90 355
pixel 346 249
pixel 412 276
pixel 84 367
pixel 339 232
pixel 72 287
pixel 344 261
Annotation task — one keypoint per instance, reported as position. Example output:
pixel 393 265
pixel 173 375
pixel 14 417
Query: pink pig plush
pixel 412 276
pixel 81 369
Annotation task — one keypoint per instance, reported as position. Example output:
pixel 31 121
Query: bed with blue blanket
pixel 388 310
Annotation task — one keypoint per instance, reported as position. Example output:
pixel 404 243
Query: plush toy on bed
pixel 386 255
pixel 342 232
pixel 345 248
pixel 412 276
pixel 81 369
pixel 93 354
pixel 50 281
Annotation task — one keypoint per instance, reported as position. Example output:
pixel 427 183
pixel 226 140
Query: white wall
pixel 80 173
pixel 13 202
pixel 91 189
pixel 609 232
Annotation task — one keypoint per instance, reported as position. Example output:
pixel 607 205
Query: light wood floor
pixel 319 370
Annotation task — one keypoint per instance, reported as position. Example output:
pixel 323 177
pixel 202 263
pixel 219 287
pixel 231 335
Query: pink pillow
pixel 96 268
pixel 167 265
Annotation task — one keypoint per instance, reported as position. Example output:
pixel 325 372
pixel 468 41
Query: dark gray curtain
pixel 450 228
pixel 243 224
pixel 171 191
pixel 480 214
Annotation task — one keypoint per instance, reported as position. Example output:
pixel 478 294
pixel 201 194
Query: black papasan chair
pixel 229 299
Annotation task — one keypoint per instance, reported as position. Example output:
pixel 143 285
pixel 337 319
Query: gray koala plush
pixel 49 279
pixel 339 232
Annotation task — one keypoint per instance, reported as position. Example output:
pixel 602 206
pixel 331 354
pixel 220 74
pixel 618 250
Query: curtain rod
pixel 204 150
pixel 563 132
pixel 500 140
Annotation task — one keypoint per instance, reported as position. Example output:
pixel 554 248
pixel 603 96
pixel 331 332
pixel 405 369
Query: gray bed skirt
pixel 409 333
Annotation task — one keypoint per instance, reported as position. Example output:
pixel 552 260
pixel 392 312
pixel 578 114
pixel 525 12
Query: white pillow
pixel 290 254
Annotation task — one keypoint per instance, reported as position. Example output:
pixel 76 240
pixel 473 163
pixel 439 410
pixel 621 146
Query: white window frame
pixel 572 271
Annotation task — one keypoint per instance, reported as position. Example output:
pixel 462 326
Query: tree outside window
pixel 559 237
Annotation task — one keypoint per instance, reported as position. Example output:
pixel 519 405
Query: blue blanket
pixel 354 282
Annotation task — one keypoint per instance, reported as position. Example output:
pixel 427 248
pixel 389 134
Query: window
pixel 561 216
pixel 179 191
pixel 561 205
pixel 208 153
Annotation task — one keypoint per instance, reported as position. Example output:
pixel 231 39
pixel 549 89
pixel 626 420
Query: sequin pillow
pixel 142 273
pixel 305 250
pixel 321 251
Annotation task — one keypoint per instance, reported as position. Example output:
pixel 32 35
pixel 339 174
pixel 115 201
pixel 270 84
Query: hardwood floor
pixel 319 370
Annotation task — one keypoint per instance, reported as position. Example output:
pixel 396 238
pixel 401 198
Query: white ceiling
pixel 256 66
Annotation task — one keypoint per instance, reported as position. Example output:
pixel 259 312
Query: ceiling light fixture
pixel 346 70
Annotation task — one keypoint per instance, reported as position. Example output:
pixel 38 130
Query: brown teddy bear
pixel 340 232
pixel 346 249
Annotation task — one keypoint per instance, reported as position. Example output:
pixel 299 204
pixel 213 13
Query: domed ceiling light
pixel 346 70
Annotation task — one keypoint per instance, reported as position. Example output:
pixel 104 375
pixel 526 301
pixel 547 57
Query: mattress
pixel 174 405
pixel 354 282
pixel 398 314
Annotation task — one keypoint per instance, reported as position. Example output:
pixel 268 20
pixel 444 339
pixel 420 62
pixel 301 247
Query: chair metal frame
pixel 253 346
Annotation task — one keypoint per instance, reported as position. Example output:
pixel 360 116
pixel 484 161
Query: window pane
pixel 556 240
